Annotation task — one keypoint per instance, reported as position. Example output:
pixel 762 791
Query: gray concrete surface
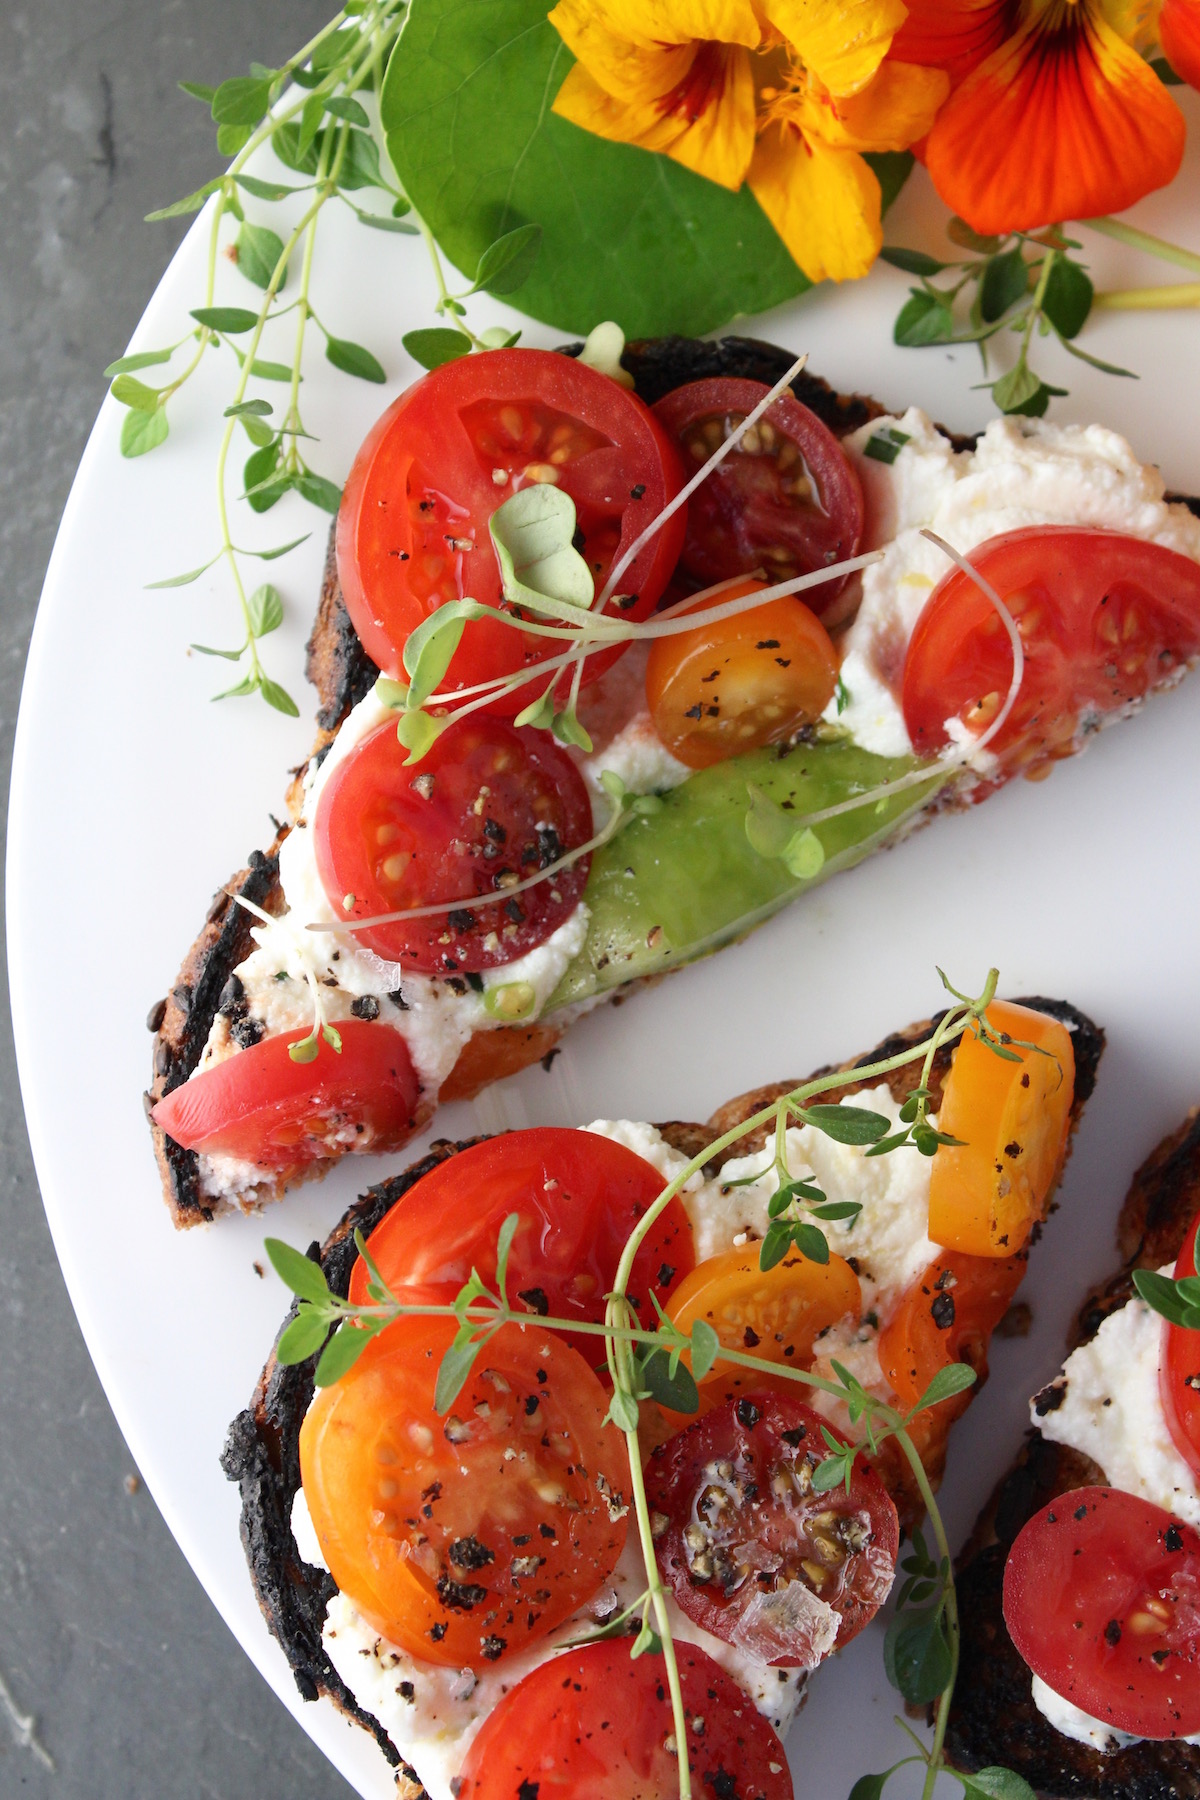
pixel 118 1681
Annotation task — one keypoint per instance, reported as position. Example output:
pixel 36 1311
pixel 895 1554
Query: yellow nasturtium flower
pixel 782 94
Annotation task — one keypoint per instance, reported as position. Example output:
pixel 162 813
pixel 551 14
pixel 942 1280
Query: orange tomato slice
pixel 776 1314
pixel 1013 1117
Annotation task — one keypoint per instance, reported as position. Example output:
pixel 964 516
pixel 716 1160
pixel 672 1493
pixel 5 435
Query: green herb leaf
pixel 304 1050
pixel 831 1473
pixel 1068 297
pixel 775 1245
pixel 303 1337
pixel 198 90
pixel 705 1347
pixel 435 346
pixel 300 1273
pixel 340 1354
pixel 1106 367
pixel 868 1787
pixel 677 1391
pixel 838 1209
pixel 241 101
pixel 265 190
pixel 225 318
pixel 916 1655
pixel 280 550
pixel 352 359
pixel 884 447
pixel 418 732
pixel 955 1378
pixel 282 701
pixel 1004 281
pixel 333 48
pixel 382 222
pixel 260 490
pixel 1015 389
pixel 231 139
pixel 142 359
pixel 847 1124
pixel 1161 1295
pixel 913 262
pixel 998 1784
pixel 508 262
pixel 429 650
pixel 185 580
pixel 959 232
pixel 129 391
pixel 285 141
pixel 887 1144
pixel 804 855
pixel 143 431
pixel 540 714
pixel 189 204
pixel 266 610
pixel 229 655
pixel 342 107
pixel 508 1232
pixel 924 318
pixel 623 1410
pixel 532 533
pixel 455 1368
pixel 325 494
pixel 568 729
pixel 243 409
pixel 811 1242
pixel 360 164
pixel 258 252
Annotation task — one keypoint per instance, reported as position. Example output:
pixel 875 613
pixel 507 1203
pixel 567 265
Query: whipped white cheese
pixel 1106 1405
pixel 1022 472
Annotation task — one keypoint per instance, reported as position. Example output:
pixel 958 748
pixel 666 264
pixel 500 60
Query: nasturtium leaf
pixel 532 535
pixel 282 701
pixel 1004 281
pixel 266 610
pixel 466 114
pixel 225 318
pixel 353 359
pixel 259 250
pixel 955 1378
pixel 505 264
pixel 435 346
pixel 923 319
pixel 143 431
pixel 298 1272
pixel 241 101
pixel 1067 300
pixel 847 1124
pixel 340 1354
pixel 302 1338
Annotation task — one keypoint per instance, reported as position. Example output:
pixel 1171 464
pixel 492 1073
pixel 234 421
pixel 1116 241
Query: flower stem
pixel 1184 293
pixel 1142 240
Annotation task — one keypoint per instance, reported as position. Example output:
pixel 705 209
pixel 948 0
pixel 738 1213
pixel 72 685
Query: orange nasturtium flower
pixel 1055 114
pixel 783 95
pixel 1179 34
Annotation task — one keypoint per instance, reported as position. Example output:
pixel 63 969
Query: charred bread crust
pixel 993 1719
pixel 262 1449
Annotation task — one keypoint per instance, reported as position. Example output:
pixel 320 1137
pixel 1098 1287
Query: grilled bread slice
pixel 994 1719
pixel 262 1450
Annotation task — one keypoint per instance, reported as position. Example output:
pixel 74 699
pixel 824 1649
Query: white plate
pixel 133 798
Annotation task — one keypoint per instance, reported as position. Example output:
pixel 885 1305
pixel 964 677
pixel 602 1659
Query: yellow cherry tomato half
pixel 1013 1118
pixel 775 1314
pixel 740 683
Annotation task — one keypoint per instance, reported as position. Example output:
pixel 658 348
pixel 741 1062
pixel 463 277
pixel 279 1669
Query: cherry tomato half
pixel 753 1553
pixel 578 1197
pixel 594 1724
pixel 987 1193
pixel 485 808
pixel 1102 1600
pixel 947 1316
pixel 1103 619
pixel 775 1313
pixel 1179 1369
pixel 786 500
pixel 413 527
pixel 261 1106
pixel 452 1547
pixel 740 683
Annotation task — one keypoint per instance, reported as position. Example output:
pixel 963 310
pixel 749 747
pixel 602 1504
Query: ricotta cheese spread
pixel 1105 1404
pixel 1022 472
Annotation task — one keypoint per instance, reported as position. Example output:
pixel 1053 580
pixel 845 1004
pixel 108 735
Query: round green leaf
pixel 143 431
pixel 1067 300
pixel 626 235
pixel 352 359
pixel 435 346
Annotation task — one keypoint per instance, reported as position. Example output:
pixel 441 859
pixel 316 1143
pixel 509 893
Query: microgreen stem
pixel 1181 294
pixel 1144 240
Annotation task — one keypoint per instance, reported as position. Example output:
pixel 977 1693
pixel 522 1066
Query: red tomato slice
pixel 413 527
pixel 1103 619
pixel 486 807
pixel 464 1538
pixel 594 1724
pixel 261 1106
pixel 1102 1600
pixel 1179 1370
pixel 578 1197
pixel 747 1543
pixel 786 501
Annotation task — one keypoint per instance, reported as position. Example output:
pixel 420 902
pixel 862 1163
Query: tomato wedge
pixel 264 1108
pixel 487 807
pixel 594 1724
pixel 1102 1600
pixel 786 500
pixel 1179 1369
pixel 1013 1117
pixel 776 1313
pixel 753 1553
pixel 740 683
pixel 413 527
pixel 577 1195
pixel 1103 618
pixel 464 1538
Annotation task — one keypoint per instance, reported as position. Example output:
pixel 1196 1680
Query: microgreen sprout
pixel 666 1365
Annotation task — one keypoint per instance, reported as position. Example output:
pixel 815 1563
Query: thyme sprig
pixel 665 1364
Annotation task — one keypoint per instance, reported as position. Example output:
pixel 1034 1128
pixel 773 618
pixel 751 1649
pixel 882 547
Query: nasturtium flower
pixel 782 94
pixel 1179 35
pixel 1055 114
